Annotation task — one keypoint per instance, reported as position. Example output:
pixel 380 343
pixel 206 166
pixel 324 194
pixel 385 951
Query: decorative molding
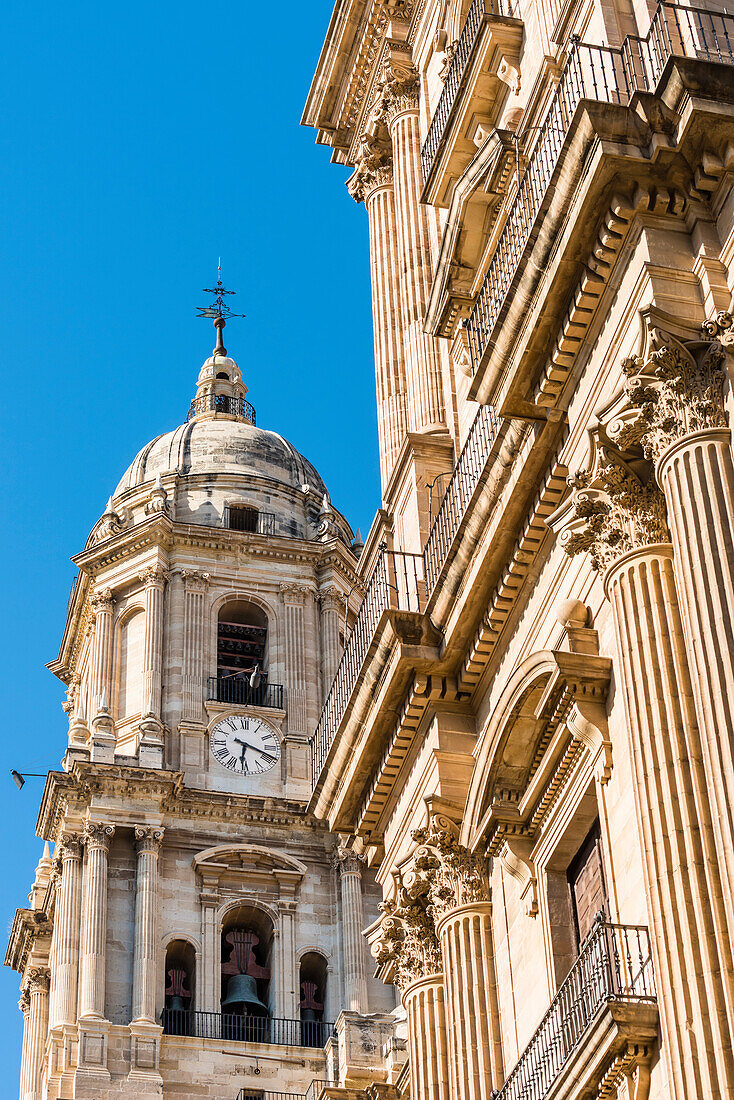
pixel 194 581
pixel 515 858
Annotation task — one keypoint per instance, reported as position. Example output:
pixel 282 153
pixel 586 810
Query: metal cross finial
pixel 219 311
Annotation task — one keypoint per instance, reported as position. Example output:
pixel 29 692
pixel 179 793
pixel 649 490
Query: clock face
pixel 245 745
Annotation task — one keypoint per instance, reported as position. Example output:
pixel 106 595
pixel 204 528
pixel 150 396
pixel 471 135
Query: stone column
pixel 37 1030
pixel 195 585
pixel 209 979
pixel 94 921
pixel 372 183
pixel 287 984
pixel 147 842
pixel 399 93
pixel 349 867
pixel 294 596
pixel 620 519
pixel 103 606
pixel 154 578
pixel 331 606
pixel 408 953
pixel 67 932
pixel 24 1004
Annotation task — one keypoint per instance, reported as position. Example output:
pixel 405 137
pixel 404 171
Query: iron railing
pixel 232 689
pixel 397 582
pixel 459 491
pixel 246 1029
pixel 478 14
pixel 313 1092
pixel 609 76
pixel 251 521
pixel 615 964
pixel 220 402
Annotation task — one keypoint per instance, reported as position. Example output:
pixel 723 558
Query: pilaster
pixel 37 989
pixel 103 733
pixel 349 868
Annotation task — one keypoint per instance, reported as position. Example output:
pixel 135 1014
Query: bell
pixel 308 1015
pixel 177 1005
pixel 242 994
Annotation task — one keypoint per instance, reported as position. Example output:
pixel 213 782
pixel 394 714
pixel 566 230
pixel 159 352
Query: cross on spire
pixel 219 311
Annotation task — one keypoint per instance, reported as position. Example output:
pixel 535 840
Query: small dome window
pixel 242 518
pixel 223 374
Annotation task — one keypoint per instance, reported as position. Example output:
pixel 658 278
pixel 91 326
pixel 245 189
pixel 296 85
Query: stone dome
pixel 222 446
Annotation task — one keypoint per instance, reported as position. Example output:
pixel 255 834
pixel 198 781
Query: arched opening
pixel 223 374
pixel 242 637
pixel 130 643
pixel 312 985
pixel 243 518
pixel 247 945
pixel 180 975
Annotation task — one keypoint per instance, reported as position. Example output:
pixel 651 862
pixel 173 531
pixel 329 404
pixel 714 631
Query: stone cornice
pixel 168 797
pixel 28 924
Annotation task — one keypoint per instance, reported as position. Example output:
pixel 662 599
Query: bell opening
pixel 247 941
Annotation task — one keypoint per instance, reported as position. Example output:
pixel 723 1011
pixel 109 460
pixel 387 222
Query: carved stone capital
pixel 98 835
pixel 721 328
pixel 296 593
pixel 102 600
pixel 38 980
pixel 330 599
pixel 398 86
pixel 194 581
pixel 408 942
pixel 347 861
pixel 24 1004
pixel 154 576
pixel 678 389
pixel 70 846
pixel 444 869
pixel 372 169
pixel 148 838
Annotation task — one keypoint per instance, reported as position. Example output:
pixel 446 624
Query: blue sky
pixel 140 142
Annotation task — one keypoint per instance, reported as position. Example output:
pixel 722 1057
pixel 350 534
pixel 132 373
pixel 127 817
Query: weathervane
pixel 219 311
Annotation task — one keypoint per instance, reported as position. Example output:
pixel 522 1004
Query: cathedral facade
pixel 446 815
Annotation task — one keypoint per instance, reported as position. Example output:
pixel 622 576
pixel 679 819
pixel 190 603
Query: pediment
pixel 247 859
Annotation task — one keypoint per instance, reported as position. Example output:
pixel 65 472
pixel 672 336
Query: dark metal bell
pixel 242 994
pixel 177 1005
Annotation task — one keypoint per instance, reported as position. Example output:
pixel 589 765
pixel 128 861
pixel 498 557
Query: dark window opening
pixel 242 634
pixel 313 999
pixel 223 374
pixel 179 990
pixel 246 949
pixel 242 519
pixel 586 884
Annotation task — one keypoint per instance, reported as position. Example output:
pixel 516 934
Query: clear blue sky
pixel 139 142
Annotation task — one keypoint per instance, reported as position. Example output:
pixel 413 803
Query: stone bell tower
pixel 194 922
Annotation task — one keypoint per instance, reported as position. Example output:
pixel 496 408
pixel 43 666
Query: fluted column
pixel 294 596
pixel 373 183
pixel 154 579
pixel 24 1004
pixel 195 585
pixel 94 921
pixel 349 866
pixel 620 518
pixel 288 978
pixel 331 605
pixel 147 843
pixel 37 1030
pixel 400 94
pixel 209 978
pixel 103 605
pixel 67 932
pixel 425 1008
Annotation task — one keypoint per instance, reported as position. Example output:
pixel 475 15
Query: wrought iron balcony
pixel 397 582
pixel 235 689
pixel 615 964
pixel 312 1093
pixel 593 73
pixel 459 491
pixel 246 1029
pixel 479 13
pixel 222 403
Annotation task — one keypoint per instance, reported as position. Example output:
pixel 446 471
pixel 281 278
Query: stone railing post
pixel 349 868
pixel 67 932
pixel 98 838
pixel 37 1029
pixel 147 842
pixel 372 183
pixel 620 519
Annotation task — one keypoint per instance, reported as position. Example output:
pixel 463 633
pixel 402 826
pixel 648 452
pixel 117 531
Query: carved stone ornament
pixel 39 979
pixel 148 838
pixel 448 57
pixel 155 576
pixel 102 600
pixel 347 861
pixel 408 941
pixel 372 168
pixel 158 503
pixel 24 1004
pixel 330 599
pixel 401 10
pixel 616 506
pixel 678 389
pixel 721 328
pixel 111 523
pixel 98 835
pixel 398 86
pixel 194 581
pixel 70 846
pixel 445 869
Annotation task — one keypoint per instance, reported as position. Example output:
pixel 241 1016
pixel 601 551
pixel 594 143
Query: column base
pixel 144 1078
pixel 91 1075
pixel 61 1052
pixel 103 746
pixel 361 1039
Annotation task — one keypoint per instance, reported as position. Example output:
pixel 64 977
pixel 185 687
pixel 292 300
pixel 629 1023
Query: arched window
pixel 312 985
pixel 180 975
pixel 242 635
pixel 243 518
pixel 130 644
pixel 247 944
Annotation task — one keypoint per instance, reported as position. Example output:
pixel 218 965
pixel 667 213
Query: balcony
pixel 607 1001
pixel 488 45
pixel 605 75
pixel 313 1093
pixel 246 1029
pixel 397 583
pixel 464 481
pixel 236 689
pixel 221 403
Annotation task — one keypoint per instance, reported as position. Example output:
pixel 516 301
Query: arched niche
pixel 242 652
pixel 180 987
pixel 129 643
pixel 247 939
pixel 312 985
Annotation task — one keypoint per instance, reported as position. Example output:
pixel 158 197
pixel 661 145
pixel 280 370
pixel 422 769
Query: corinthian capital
pixel 70 846
pixel 678 388
pixel 194 581
pixel 148 838
pixel 347 861
pixel 721 328
pixel 448 872
pixel 102 600
pixel 98 835
pixel 408 941
pixel 155 576
pixel 39 979
pixel 24 1003
pixel 372 168
pixel 398 86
